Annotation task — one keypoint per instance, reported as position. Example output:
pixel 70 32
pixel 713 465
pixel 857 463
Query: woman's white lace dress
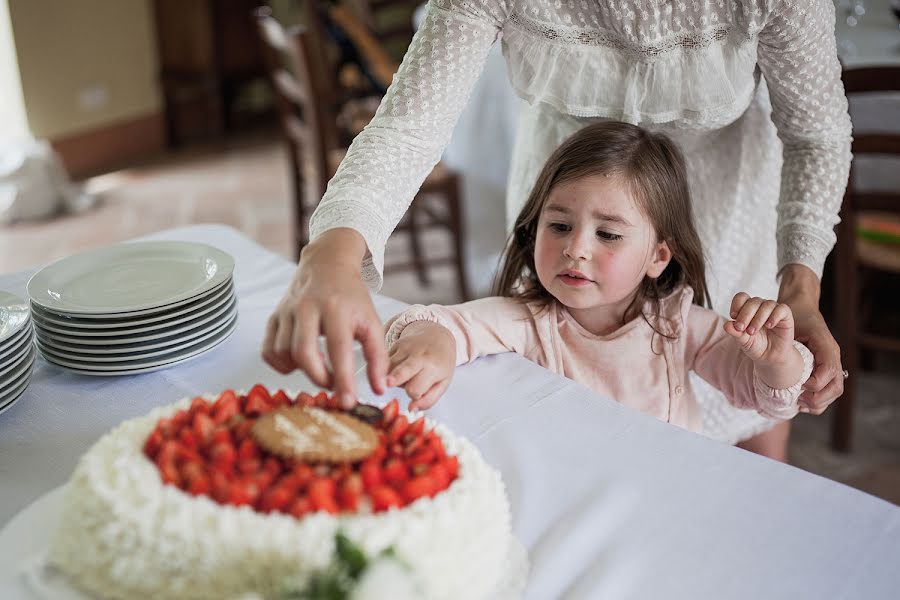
pixel 750 90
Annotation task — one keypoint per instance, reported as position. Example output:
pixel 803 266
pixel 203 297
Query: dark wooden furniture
pixel 303 91
pixel 392 22
pixel 855 256
pixel 208 53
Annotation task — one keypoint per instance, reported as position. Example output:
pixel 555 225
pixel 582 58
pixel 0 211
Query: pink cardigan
pixel 633 365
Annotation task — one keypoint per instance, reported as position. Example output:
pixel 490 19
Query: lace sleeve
pixel 798 57
pixel 387 163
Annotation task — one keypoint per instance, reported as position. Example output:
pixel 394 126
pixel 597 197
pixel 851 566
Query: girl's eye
pixel 559 227
pixel 609 237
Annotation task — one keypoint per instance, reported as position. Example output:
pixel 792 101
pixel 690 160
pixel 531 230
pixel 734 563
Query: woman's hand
pixel 800 291
pixel 422 362
pixel 327 297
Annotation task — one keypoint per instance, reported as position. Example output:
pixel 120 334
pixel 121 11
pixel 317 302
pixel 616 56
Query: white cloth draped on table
pixel 692 70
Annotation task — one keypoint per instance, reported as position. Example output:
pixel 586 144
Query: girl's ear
pixel 661 258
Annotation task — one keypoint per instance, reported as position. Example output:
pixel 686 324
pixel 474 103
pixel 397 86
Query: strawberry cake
pixel 215 497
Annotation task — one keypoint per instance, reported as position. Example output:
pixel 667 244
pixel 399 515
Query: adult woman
pixel 707 73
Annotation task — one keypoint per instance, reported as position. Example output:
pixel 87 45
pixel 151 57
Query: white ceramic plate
pixel 193 307
pixel 11 365
pixel 13 344
pixel 130 277
pixel 13 315
pixel 10 397
pixel 123 331
pixel 143 366
pixel 172 333
pixel 12 379
pixel 130 356
pixel 150 315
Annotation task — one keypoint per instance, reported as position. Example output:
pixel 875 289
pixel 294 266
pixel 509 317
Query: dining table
pixel 607 501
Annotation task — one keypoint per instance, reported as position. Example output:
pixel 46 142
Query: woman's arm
pixel 373 187
pixel 797 55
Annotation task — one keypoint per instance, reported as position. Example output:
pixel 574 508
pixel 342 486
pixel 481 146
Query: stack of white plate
pixel 133 307
pixel 16 349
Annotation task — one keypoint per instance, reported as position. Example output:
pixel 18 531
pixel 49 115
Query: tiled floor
pixel 244 184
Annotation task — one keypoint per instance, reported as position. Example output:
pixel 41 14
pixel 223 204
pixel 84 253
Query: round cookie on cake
pixel 219 496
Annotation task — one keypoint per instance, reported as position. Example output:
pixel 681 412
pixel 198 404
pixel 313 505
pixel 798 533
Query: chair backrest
pixel 867 81
pixel 303 97
pixel 392 23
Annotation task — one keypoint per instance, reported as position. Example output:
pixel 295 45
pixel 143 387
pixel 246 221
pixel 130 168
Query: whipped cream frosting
pixel 123 534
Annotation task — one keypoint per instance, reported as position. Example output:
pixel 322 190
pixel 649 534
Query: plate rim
pixel 107 358
pixel 13 343
pixel 94 323
pixel 9 300
pixel 156 367
pixel 150 336
pixel 125 330
pixel 223 259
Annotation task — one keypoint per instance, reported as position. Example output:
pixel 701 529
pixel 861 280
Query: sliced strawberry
pixel 191 470
pixel 169 451
pixel 199 405
pixel 304 399
pixel 390 412
pixel 279 398
pixel 220 435
pixel 277 498
pixel 418 487
pixel 437 446
pixel 249 466
pixel 322 495
pixel 425 456
pixel 441 476
pixel 242 430
pixel 168 472
pixel 395 471
pixel 300 507
pixel 200 485
pixel 348 499
pixel 153 444
pixel 221 486
pixel 258 401
pixel 370 472
pixel 180 419
pixel 303 473
pixel 203 427
pixel 452 464
pixel 188 439
pixel 416 427
pixel 384 498
pixel 248 449
pixel 239 494
pixel 167 428
pixel 225 407
pixel 223 455
pixel 397 428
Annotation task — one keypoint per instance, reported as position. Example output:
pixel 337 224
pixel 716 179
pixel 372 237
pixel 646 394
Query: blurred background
pixel 119 118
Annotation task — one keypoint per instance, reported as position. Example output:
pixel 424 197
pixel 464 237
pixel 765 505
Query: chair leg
pixel 415 243
pixel 301 231
pixel 457 227
pixel 847 294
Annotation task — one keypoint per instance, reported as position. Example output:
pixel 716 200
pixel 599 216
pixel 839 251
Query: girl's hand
pixel 422 362
pixel 327 297
pixel 764 329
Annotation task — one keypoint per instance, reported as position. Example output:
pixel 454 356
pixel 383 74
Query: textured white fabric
pixel 610 503
pixel 690 69
pixel 688 65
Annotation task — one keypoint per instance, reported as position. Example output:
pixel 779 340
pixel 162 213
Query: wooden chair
pixel 304 95
pixel 855 255
pixel 391 21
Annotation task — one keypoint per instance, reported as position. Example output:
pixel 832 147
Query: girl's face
pixel 594 246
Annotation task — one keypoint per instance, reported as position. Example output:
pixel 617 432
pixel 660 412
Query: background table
pixel 610 503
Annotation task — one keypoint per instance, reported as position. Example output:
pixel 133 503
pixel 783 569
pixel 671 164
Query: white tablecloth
pixel 609 502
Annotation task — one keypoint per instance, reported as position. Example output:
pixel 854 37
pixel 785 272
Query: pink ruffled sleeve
pixel 481 327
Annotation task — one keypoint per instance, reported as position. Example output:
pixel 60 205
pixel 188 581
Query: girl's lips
pixel 574 281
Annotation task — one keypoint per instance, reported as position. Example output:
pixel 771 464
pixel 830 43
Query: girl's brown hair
pixel 655 171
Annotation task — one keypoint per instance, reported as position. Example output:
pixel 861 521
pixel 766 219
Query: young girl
pixel 603 282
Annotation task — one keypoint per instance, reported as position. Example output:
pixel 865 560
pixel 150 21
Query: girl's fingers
pixel 420 383
pixel 737 302
pixel 745 341
pixel 763 312
pixel 746 312
pixel 430 398
pixel 403 372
